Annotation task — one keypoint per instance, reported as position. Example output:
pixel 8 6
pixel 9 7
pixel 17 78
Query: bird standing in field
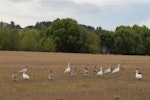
pixel 68 69
pixel 86 71
pixel 25 76
pixel 100 73
pixel 73 73
pixel 94 71
pixel 108 70
pixel 50 76
pixel 116 69
pixel 138 75
pixel 14 76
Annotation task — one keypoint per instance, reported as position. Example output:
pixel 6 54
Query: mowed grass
pixel 65 86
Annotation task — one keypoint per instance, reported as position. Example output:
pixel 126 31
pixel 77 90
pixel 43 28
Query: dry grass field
pixel 65 86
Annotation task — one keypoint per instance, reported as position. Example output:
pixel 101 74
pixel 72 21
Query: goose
pixel 25 76
pixel 116 69
pixel 100 73
pixel 73 73
pixel 50 76
pixel 108 70
pixel 68 69
pixel 94 71
pixel 14 76
pixel 86 71
pixel 138 75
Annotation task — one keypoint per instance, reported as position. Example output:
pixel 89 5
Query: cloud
pixel 146 22
pixel 21 12
pixel 105 13
pixel 69 6
pixel 102 3
pixel 142 1
pixel 56 3
pixel 18 1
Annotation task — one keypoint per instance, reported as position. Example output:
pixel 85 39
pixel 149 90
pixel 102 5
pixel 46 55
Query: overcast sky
pixel 105 13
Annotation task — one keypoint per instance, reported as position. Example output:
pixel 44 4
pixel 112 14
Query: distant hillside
pixel 38 25
pixel 4 24
pixel 12 24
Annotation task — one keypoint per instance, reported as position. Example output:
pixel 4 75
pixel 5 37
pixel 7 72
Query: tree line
pixel 66 35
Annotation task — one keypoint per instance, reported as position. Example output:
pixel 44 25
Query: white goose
pixel 100 73
pixel 25 76
pixel 68 69
pixel 14 76
pixel 116 69
pixel 108 70
pixel 138 75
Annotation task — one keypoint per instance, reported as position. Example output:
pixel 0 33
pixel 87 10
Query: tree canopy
pixel 66 35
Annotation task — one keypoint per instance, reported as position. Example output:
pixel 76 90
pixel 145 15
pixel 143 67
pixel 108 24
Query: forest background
pixel 67 35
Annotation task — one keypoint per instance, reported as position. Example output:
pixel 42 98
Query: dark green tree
pixel 9 39
pixel 30 40
pixel 65 33
pixel 48 45
pixel 123 41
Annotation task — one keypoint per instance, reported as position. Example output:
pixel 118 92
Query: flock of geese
pixel 25 76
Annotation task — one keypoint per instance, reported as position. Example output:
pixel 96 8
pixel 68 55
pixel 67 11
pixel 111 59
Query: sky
pixel 105 13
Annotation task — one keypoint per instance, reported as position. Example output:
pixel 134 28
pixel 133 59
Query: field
pixel 66 87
